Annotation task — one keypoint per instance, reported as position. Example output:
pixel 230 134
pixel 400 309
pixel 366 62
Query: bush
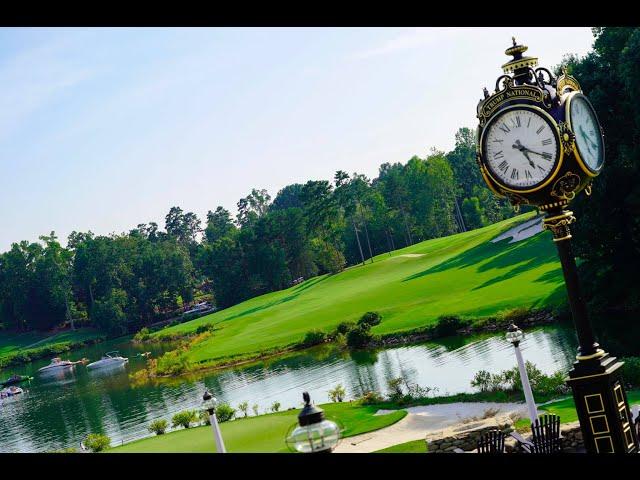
pixel 345 327
pixel 395 385
pixel 244 407
pixel 370 398
pixel 631 371
pixel 97 442
pixel 449 325
pixel 482 381
pixel 314 337
pixel 184 418
pixel 509 381
pixel 209 327
pixel 275 406
pixel 255 409
pixel 173 363
pixel 371 319
pixel 225 412
pixel 513 315
pixel 142 336
pixel 337 394
pixel 205 419
pixel 359 337
pixel 158 427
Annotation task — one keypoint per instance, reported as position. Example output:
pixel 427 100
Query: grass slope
pixel 265 433
pixel 461 274
pixel 13 342
pixel 414 446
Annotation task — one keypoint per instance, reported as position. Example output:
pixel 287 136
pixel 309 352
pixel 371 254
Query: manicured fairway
pixel 12 342
pixel 462 274
pixel 265 433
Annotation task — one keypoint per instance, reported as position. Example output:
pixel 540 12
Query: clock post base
pixel 602 406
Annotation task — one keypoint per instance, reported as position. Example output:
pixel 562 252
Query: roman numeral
pixel 546 141
pixel 498 141
pixel 504 128
pixel 527 174
pixel 541 168
pixel 498 155
pixel 504 166
pixel 515 174
pixel 540 129
pixel 529 122
pixel 546 156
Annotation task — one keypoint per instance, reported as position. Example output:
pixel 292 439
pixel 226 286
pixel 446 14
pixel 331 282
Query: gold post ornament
pixel 559 225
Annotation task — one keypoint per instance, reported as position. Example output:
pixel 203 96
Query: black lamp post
pixel 314 433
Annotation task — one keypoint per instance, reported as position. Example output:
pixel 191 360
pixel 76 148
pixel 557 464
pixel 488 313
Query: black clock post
pixel 598 389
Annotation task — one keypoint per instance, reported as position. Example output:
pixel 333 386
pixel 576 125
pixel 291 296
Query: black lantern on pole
pixel 540 143
pixel 314 433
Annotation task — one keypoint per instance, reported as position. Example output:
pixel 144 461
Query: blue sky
pixel 105 128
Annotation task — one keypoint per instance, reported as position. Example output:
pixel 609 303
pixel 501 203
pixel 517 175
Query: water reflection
pixel 59 411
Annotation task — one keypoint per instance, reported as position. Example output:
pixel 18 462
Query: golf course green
pixel 264 433
pixel 463 274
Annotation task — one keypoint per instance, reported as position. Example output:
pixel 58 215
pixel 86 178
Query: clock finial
pixel 514 41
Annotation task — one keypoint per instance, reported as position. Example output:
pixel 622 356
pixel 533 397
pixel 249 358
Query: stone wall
pixel 466 436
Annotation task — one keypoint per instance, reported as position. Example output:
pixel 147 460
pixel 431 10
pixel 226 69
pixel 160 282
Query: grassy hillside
pixel 265 433
pixel 13 342
pixel 462 274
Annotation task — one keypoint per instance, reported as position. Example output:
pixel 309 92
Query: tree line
pixel 121 282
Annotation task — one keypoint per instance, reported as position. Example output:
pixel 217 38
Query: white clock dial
pixel 585 126
pixel 520 147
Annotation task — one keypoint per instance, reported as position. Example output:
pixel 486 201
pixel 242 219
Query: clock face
pixel 521 148
pixel 585 126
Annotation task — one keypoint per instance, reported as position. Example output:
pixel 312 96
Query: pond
pixel 58 410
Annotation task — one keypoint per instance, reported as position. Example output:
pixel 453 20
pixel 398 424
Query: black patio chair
pixel 491 442
pixel 545 438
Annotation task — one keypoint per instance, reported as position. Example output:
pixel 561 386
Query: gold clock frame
pixel 551 121
pixel 567 114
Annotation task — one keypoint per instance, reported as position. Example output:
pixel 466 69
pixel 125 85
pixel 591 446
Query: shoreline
pixel 534 319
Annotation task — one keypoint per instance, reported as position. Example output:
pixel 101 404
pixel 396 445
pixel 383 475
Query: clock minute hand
pixel 523 149
pixel 584 134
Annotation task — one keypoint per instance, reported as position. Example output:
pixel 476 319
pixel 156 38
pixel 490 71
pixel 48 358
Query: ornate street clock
pixel 540 143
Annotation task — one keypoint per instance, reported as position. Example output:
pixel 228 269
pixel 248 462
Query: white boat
pixel 10 392
pixel 109 359
pixel 56 365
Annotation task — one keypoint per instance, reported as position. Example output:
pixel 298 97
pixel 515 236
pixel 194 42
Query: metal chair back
pixel 546 434
pixel 491 442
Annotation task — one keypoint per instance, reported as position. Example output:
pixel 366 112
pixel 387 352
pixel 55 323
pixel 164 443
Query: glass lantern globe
pixel 317 437
pixel 514 334
pixel 314 433
pixel 209 403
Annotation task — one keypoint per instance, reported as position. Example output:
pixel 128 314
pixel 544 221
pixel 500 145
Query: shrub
pixel 158 427
pixel 314 337
pixel 370 398
pixel 371 319
pixel 225 412
pixel 345 327
pixel 513 315
pixel 448 325
pixel 97 442
pixel 359 337
pixel 184 418
pixel 208 327
pixel 337 394
pixel 173 363
pixel 631 371
pixel 205 419
pixel 255 409
pixel 482 381
pixel 142 336
pixel 244 407
pixel 275 406
pixel 395 385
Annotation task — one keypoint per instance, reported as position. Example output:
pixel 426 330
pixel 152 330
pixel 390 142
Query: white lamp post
pixel 210 404
pixel 515 335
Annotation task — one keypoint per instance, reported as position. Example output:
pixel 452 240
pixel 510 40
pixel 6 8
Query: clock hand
pixel 584 134
pixel 523 149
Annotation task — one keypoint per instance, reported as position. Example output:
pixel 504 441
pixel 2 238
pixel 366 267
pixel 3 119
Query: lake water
pixel 58 411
